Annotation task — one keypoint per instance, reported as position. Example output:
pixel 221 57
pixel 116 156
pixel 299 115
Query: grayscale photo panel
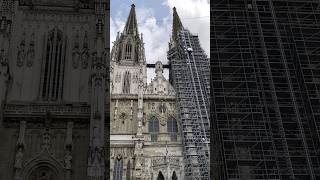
pixel 54 89
pixel 265 82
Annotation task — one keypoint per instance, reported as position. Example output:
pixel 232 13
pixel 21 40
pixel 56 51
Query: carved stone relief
pixel 123 152
pixel 118 78
pixel 76 51
pixel 31 51
pixel 21 51
pixel 85 52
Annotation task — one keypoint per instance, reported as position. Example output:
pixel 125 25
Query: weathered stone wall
pixel 22 56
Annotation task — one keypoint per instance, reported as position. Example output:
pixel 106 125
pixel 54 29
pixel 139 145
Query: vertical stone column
pixel 20 146
pixel 96 164
pixel 139 138
pixel 5 37
pixel 68 148
pixel 96 155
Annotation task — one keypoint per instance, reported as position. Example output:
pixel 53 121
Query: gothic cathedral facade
pixel 66 100
pixel 53 61
pixel 145 138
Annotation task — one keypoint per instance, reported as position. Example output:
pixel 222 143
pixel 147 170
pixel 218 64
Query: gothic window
pixel 174 176
pixel 118 168
pixel 128 171
pixel 154 128
pixel 172 128
pixel 160 176
pixel 126 83
pixel 128 51
pixel 53 67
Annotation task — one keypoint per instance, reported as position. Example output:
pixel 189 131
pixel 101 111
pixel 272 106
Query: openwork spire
pixel 131 25
pixel 177 25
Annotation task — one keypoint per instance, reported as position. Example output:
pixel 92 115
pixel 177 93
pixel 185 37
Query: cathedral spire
pixel 177 25
pixel 131 25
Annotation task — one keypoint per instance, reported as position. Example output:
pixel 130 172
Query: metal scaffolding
pixel 265 75
pixel 189 74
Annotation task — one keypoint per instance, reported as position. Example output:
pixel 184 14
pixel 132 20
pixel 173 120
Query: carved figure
pixel 18 160
pixel 68 160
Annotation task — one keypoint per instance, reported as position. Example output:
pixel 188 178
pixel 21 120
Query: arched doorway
pixel 160 176
pixel 43 173
pixel 174 176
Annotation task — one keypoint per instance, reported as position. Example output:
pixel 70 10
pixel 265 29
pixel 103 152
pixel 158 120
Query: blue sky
pixel 161 10
pixel 155 22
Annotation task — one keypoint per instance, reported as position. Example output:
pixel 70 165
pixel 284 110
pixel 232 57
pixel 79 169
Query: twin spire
pixel 132 25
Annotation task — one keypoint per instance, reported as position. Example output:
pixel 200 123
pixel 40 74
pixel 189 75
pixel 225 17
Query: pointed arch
pixel 118 168
pixel 43 172
pixel 128 174
pixel 172 128
pixel 174 176
pixel 128 51
pixel 43 165
pixel 160 176
pixel 154 128
pixel 53 66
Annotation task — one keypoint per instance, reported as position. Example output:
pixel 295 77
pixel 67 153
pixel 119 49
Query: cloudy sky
pixel 155 22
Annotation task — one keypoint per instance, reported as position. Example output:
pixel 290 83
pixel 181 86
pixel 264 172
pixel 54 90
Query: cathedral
pixel 54 89
pixel 145 138
pixel 72 110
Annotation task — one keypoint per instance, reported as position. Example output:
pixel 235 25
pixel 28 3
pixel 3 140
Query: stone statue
pixel 21 54
pixel 18 160
pixel 46 140
pixel 4 76
pixel 139 131
pixel 75 58
pixel 96 137
pixel 68 160
pixel 2 57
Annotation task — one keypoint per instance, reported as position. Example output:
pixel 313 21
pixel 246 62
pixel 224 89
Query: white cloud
pixel 156 32
pixel 155 35
pixel 195 16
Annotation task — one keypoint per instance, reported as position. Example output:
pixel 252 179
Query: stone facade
pixel 55 103
pixel 52 77
pixel 144 123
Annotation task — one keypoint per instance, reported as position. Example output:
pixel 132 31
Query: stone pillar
pixel 96 155
pixel 139 138
pixel 68 148
pixel 20 151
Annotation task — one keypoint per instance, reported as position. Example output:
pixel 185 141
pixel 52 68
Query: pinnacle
pixel 131 25
pixel 177 25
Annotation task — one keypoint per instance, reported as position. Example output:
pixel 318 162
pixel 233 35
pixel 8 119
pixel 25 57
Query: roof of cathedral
pixel 131 25
pixel 177 25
